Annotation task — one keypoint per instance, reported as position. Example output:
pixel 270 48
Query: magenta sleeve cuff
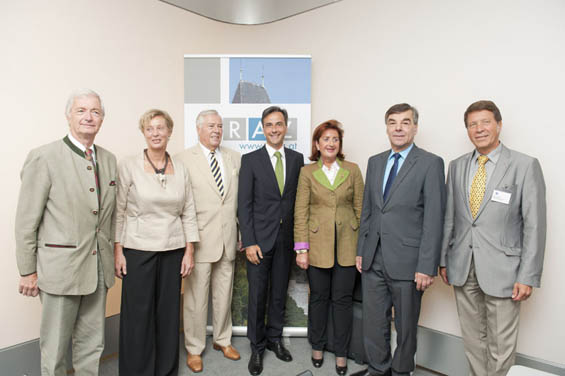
pixel 303 245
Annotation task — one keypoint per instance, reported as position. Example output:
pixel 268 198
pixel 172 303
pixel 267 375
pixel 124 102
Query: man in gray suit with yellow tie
pixel 399 242
pixel 493 240
pixel 64 243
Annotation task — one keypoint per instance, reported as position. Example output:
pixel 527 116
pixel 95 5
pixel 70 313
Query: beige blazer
pixel 217 223
pixel 150 217
pixel 60 227
pixel 320 208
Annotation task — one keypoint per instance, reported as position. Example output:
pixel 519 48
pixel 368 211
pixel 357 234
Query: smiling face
pixel 274 128
pixel 401 130
pixel 483 131
pixel 210 131
pixel 328 145
pixel 157 134
pixel 85 117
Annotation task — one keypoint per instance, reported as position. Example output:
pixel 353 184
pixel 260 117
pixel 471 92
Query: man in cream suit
pixel 493 241
pixel 214 174
pixel 64 243
pixel 399 242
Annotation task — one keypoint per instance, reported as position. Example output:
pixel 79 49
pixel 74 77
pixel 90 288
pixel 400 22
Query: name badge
pixel 501 196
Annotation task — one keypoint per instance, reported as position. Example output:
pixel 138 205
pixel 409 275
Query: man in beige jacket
pixel 214 172
pixel 64 244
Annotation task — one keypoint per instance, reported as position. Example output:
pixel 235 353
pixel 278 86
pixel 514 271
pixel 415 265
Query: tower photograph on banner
pixel 240 87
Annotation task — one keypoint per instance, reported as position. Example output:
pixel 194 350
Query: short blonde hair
pixel 153 113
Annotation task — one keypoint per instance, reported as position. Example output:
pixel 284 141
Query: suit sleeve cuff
pixel 301 245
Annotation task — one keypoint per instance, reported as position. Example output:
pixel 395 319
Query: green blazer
pixel 321 208
pixel 61 228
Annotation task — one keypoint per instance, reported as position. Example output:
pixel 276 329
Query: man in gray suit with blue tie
pixel 493 240
pixel 399 242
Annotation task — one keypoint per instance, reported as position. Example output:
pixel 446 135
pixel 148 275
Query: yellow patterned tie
pixel 478 186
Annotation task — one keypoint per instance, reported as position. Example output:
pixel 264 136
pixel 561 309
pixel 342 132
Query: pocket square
pixel 112 183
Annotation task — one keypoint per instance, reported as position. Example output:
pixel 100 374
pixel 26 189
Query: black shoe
pixel 317 363
pixel 341 371
pixel 255 365
pixel 280 351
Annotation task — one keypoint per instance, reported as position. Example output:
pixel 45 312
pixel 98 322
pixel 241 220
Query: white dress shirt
pixel 218 153
pixel 82 147
pixel 331 172
pixel 271 152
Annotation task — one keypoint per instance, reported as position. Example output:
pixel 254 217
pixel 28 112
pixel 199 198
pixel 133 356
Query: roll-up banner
pixel 240 87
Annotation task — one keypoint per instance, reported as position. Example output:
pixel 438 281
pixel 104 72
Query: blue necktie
pixel 391 175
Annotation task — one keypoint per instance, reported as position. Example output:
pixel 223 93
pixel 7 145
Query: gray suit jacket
pixel 506 241
pixel 409 223
pixel 60 227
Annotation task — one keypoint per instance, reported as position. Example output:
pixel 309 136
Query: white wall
pixel 439 55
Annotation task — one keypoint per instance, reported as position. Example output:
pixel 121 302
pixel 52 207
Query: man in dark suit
pixel 267 190
pixel 399 242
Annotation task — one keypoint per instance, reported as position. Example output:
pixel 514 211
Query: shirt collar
pixel 80 146
pixel 208 151
pixel 334 167
pixel 492 156
pixel 272 151
pixel 403 153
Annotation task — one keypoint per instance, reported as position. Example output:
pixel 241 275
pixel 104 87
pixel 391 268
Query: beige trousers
pixel 77 317
pixel 218 276
pixel 489 326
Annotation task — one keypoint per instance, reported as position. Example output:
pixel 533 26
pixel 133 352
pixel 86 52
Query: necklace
pixel 159 171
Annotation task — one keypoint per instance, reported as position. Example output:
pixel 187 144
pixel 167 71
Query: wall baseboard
pixel 24 359
pixel 437 351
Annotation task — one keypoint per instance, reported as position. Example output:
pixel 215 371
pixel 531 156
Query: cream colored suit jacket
pixel 60 226
pixel 216 215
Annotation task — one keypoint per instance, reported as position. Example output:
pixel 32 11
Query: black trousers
pixel 380 294
pixel 149 319
pixel 334 284
pixel 270 278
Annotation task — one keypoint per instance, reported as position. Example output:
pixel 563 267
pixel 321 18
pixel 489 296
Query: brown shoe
pixel 194 362
pixel 229 351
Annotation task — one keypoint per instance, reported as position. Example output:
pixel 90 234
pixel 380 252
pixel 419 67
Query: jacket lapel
pixel 268 167
pixel 380 173
pixel 411 159
pixel 289 161
pixel 465 183
pixel 497 175
pixel 228 168
pixel 204 167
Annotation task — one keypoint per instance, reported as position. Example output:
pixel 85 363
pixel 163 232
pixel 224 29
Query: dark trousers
pixel 149 319
pixel 335 284
pixel 380 294
pixel 273 270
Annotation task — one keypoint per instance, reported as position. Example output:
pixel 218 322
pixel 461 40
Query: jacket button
pixel 89 167
pixel 91 189
pixel 338 222
pixel 470 246
pixel 95 212
pixel 94 252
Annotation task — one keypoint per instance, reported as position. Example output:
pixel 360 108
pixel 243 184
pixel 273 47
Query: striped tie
pixel 216 173
pixel 478 186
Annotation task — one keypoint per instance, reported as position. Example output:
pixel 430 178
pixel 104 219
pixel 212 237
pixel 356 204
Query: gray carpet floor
pixel 216 365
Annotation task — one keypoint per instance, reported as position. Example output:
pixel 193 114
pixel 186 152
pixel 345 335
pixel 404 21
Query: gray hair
pixel 203 114
pixel 82 93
